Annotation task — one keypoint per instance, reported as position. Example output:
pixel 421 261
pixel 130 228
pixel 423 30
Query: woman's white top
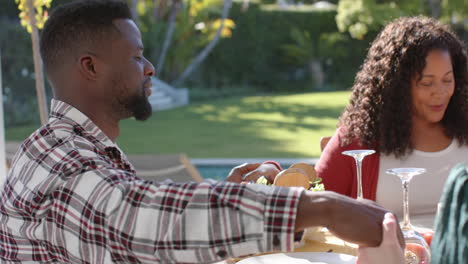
pixel 424 189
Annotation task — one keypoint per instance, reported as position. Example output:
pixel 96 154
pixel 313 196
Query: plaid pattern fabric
pixel 73 197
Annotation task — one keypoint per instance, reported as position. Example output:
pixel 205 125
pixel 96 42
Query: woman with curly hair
pixel 409 102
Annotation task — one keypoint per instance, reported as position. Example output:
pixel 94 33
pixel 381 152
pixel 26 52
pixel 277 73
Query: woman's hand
pixel 389 251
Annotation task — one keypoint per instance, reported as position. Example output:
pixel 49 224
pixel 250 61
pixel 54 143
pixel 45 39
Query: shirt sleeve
pixel 167 222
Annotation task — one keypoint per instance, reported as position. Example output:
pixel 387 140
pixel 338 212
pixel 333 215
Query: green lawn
pixel 277 126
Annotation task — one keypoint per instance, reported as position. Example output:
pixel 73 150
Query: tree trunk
pixel 175 8
pixel 245 5
pixel 133 9
pixel 161 8
pixel 156 10
pixel 41 96
pixel 3 161
pixel 316 71
pixel 435 8
pixel 204 53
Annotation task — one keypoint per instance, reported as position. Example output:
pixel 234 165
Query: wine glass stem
pixel 359 178
pixel 406 221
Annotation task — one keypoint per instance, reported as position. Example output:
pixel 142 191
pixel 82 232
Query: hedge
pixel 252 60
pixel 254 55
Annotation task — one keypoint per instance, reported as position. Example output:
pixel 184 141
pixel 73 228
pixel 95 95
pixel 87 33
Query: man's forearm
pixel 313 210
pixel 357 221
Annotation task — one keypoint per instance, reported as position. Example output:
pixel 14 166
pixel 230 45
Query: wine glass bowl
pixel 406 174
pixel 417 250
pixel 359 155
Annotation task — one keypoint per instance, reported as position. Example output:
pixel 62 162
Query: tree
pixel 3 161
pixel 435 7
pixel 182 33
pixel 133 9
pixel 33 17
pixel 175 8
pixel 358 17
pixel 208 48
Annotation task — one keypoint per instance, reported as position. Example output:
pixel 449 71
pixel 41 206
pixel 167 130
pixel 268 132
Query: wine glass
pixel 358 156
pixel 417 250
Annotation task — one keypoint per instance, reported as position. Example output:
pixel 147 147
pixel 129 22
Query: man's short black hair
pixel 76 26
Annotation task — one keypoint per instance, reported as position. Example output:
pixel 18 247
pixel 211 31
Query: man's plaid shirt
pixel 72 196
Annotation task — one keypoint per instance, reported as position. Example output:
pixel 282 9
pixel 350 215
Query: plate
pixel 301 258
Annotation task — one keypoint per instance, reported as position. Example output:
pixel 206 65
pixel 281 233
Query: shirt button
pixel 276 241
pixel 222 253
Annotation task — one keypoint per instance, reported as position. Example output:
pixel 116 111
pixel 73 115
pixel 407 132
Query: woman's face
pixel 431 92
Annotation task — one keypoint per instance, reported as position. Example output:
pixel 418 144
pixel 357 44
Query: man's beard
pixel 138 106
pixel 135 105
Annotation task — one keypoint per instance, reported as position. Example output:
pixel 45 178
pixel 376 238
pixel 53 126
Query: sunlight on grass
pixel 277 126
pixel 250 127
pixel 19 133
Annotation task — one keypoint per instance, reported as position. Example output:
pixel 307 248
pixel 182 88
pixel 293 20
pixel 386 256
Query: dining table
pixel 320 239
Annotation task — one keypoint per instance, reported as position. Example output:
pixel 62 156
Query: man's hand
pixel 237 173
pixel 251 172
pixel 389 250
pixel 265 169
pixel 356 221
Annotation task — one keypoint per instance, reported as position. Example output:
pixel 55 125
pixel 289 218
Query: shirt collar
pixel 81 124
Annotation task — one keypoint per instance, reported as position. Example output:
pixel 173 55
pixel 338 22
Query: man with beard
pixel 71 195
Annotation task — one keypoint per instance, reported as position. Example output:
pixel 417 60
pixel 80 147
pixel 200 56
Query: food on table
pixel 292 177
pixel 321 240
pixel 298 175
pixel 307 168
pixel 428 236
pixel 414 253
pixel 313 238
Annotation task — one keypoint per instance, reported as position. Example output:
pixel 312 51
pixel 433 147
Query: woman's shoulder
pixel 342 133
pixel 460 144
pixel 459 148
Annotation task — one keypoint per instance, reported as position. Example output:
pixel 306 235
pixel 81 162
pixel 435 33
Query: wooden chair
pixel 324 142
pixel 176 167
pixel 8 164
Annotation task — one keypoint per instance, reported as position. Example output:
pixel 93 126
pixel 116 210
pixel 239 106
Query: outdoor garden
pixel 266 78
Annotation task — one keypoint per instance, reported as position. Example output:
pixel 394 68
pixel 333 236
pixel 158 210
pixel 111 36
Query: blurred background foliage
pixel 266 46
pixel 195 25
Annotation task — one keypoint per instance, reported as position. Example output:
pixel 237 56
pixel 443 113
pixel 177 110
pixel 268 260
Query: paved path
pixel 11 147
pixel 238 161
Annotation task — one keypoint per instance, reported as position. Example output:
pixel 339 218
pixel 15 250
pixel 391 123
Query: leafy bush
pixel 19 94
pixel 256 55
pixel 196 24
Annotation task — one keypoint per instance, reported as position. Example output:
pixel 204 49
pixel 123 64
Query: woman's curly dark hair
pixel 380 109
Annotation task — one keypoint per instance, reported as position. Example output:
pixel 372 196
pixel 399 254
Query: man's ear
pixel 88 67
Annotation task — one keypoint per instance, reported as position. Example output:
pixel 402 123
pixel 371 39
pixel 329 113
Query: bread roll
pixel 307 168
pixel 292 177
